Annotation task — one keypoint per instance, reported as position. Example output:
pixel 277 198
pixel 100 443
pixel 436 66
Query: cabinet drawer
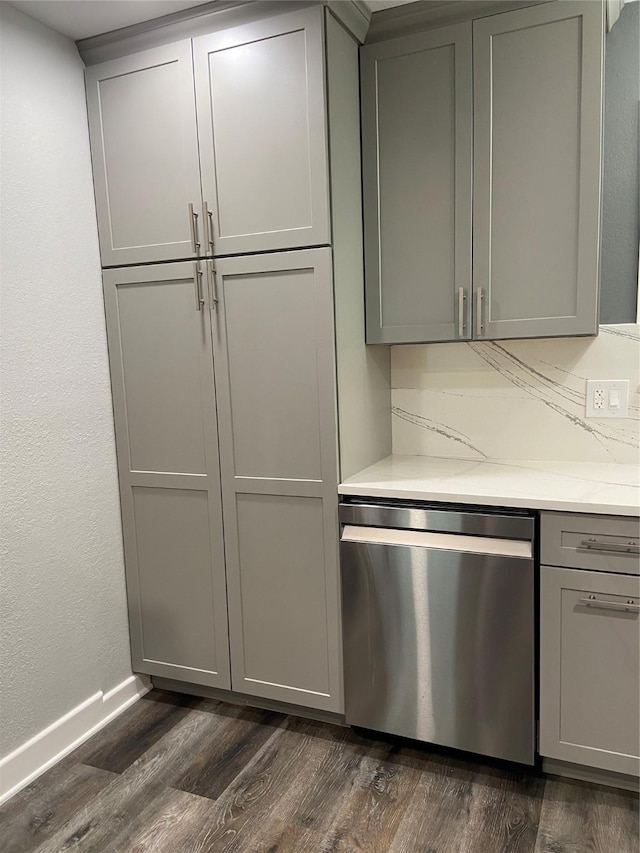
pixel 590 542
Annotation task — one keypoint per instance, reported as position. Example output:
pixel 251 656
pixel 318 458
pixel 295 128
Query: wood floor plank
pixel 178 821
pixel 332 756
pixel 92 828
pixel 251 802
pixel 38 811
pixel 175 822
pixel 278 836
pixel 581 818
pixel 437 814
pixel 201 776
pixel 504 811
pixel 369 818
pixel 117 746
pixel 333 761
pixel 219 760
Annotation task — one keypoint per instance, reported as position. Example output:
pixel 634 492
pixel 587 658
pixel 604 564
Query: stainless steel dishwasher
pixel 438 625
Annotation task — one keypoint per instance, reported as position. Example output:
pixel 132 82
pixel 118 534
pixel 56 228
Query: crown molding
pixel 208 18
pixel 429 14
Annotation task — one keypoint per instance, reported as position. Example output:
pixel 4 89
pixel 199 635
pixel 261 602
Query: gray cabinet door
pixel 260 92
pixel 275 378
pixel 537 140
pixel 417 133
pixel 144 148
pixel 166 433
pixel 589 669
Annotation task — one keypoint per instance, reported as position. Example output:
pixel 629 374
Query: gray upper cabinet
pixel 536 157
pixel 166 433
pixel 275 379
pixel 417 135
pixel 144 147
pixel 234 161
pixel 537 140
pixel 262 129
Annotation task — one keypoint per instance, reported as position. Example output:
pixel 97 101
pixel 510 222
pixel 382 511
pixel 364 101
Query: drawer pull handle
pixel 592 601
pixel 625 548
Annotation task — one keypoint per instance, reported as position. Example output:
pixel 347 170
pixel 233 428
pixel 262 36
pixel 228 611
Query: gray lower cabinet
pixel 589 669
pixel 532 78
pixel 275 380
pixel 214 145
pixel 166 433
pixel 590 641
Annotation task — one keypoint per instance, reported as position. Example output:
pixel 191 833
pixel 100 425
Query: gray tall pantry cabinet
pixel 482 163
pixel 208 153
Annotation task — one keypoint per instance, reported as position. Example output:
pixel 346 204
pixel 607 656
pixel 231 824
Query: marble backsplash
pixel 515 400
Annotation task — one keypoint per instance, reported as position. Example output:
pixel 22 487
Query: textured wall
pixel 620 186
pixel 63 623
pixel 515 400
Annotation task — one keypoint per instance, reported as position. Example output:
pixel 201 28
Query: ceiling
pixel 80 19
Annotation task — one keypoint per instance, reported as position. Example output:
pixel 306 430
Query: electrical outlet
pixel 607 398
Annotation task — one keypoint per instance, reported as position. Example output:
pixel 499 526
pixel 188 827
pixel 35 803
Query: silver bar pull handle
pixel 619 548
pixel 628 606
pixel 461 318
pixel 213 299
pixel 479 323
pixel 208 224
pixel 197 281
pixel 193 229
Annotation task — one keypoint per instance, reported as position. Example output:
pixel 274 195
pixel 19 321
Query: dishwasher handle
pixel 437 541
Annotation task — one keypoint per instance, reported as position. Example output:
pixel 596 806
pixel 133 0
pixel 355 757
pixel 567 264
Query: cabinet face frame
pixel 554 680
pixel 205 482
pixel 180 247
pixel 311 488
pixel 584 321
pixel 314 232
pixel 459 325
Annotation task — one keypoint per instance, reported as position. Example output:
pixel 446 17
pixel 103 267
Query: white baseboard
pixel 41 752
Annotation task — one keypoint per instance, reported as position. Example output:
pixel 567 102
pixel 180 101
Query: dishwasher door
pixel 439 637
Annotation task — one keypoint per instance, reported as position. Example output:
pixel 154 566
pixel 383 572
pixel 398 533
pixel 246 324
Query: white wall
pixel 63 622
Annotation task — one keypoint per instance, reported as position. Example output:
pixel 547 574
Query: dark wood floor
pixel 181 775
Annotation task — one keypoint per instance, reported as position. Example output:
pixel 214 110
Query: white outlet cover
pixel 605 386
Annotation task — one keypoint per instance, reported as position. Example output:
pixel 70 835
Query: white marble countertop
pixel 604 488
